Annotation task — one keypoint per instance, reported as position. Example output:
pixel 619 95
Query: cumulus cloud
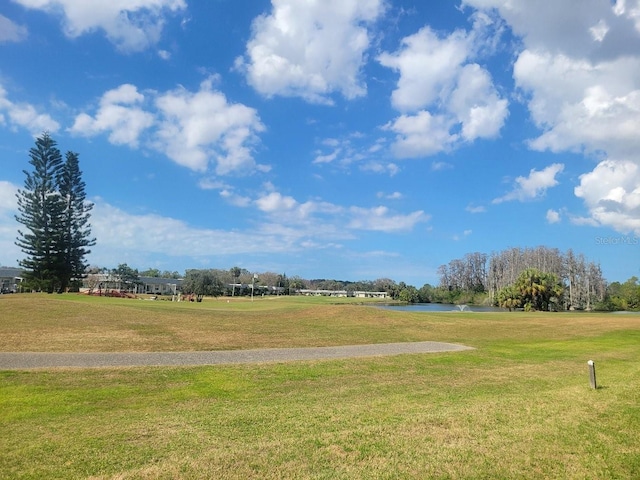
pixel 444 97
pixel 120 114
pixel 578 28
pixel 533 186
pixel 427 65
pixel 130 25
pixel 24 115
pixel 581 105
pixel 276 202
pixel 310 49
pixel 579 73
pixel 194 129
pixel 611 192
pixel 553 216
pixel 10 31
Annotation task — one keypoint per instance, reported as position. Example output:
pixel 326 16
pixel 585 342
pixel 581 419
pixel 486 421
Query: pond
pixel 443 307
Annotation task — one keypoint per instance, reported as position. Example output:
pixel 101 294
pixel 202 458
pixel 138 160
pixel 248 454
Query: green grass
pixel 519 406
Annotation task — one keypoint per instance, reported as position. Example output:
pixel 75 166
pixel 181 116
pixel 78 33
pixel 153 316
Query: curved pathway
pixel 29 360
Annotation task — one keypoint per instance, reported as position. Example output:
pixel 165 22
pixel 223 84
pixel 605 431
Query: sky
pixel 341 139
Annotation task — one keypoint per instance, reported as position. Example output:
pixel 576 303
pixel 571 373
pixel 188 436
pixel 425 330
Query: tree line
pixel 538 278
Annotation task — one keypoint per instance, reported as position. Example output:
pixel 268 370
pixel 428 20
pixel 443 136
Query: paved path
pixel 29 360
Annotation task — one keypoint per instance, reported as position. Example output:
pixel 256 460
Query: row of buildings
pixel 104 283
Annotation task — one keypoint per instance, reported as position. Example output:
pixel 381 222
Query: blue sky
pixel 346 139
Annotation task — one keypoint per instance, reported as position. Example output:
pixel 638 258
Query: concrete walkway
pixel 31 360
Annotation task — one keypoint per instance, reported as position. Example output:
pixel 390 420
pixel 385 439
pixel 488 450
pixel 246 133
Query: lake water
pixel 442 307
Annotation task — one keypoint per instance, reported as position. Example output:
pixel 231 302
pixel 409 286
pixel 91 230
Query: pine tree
pixel 75 234
pixel 53 209
pixel 40 210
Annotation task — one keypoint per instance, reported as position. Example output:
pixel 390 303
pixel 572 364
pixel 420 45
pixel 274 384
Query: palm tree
pixel 235 273
pixel 538 288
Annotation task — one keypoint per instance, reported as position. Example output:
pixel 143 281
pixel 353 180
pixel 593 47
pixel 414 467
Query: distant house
pixel 370 294
pixel 106 282
pixel 323 293
pixel 341 293
pixel 160 286
pixel 10 279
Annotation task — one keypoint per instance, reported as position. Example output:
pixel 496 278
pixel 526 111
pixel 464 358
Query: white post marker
pixel 592 374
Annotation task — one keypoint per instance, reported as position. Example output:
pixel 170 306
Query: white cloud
pixel 581 105
pixel 25 115
pixel 390 196
pixel 389 168
pixel 310 49
pixel 420 135
pixel 119 114
pixel 579 69
pixel 8 202
pixel 568 26
pixel 476 209
pixel 122 235
pixel 194 129
pixel 132 25
pixel 533 186
pixel 466 233
pixel 476 104
pixel 440 166
pixel 276 202
pixel 553 216
pixel 445 98
pixel 328 158
pixel 428 67
pixel 10 31
pixel 381 219
pixel 9 252
pixel 203 127
pixel 611 192
pixel 327 220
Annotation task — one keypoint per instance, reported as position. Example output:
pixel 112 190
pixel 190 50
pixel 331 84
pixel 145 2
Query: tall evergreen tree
pixel 40 210
pixel 75 234
pixel 53 209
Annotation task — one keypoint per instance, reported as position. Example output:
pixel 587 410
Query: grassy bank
pixel 519 406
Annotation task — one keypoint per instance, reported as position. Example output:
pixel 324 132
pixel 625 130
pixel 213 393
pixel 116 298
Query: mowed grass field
pixel 518 406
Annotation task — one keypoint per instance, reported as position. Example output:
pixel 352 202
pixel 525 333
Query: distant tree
pixel 41 210
pixel 151 272
pixel 509 297
pixel 75 234
pixel 235 273
pixel 296 283
pixel 202 283
pixel 386 285
pixel 622 296
pixel 426 293
pixel 409 294
pixel 538 290
pixel 53 209
pixel 93 281
pixel 170 274
pixel 128 277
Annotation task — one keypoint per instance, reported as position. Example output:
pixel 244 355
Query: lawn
pixel 518 406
